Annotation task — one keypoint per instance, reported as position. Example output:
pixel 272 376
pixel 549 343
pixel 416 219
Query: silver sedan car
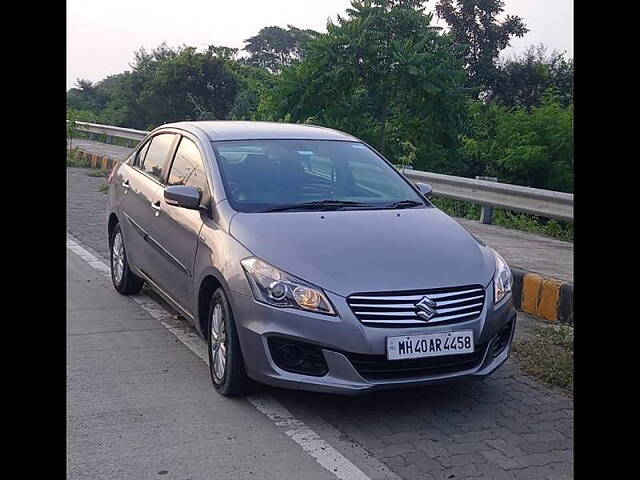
pixel 305 259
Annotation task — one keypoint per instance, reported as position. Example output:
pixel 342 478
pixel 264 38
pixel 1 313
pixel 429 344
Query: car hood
pixel 353 251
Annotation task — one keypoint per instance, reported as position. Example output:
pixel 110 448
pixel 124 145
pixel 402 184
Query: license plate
pixel 431 345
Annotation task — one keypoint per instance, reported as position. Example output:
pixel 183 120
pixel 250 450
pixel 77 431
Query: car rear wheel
pixel 225 358
pixel 124 280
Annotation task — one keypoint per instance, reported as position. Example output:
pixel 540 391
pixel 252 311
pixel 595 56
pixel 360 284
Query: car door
pixel 174 230
pixel 140 181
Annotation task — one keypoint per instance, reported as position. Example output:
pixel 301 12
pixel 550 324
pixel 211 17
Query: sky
pixel 103 36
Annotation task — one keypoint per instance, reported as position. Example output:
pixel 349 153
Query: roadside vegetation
pixel 99 172
pixel 548 355
pixel 74 159
pixel 507 218
pixel 441 100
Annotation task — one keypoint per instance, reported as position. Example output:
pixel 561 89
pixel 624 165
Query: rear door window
pixel 157 154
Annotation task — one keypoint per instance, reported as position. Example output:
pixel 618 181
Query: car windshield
pixel 281 175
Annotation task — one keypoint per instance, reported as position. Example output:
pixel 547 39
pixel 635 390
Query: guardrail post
pixel 486 212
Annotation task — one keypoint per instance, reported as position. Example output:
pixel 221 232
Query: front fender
pixel 218 255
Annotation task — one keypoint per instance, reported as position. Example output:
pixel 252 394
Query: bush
pixel 457 208
pixel 531 148
pixel 75 160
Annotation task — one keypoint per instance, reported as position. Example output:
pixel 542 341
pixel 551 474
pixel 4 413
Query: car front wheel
pixel 225 358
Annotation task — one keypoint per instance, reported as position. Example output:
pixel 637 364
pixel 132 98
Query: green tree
pixel 83 96
pixel 191 86
pixel 382 73
pixel 522 81
pixel 254 83
pixel 169 85
pixel 475 25
pixel 275 48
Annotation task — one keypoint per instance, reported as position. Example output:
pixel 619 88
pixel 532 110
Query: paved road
pixel 535 253
pixel 547 256
pixel 129 418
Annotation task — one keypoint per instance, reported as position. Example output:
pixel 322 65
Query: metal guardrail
pixel 109 131
pixel 544 203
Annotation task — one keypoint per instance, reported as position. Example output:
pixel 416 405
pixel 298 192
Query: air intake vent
pixel 377 367
pixel 418 307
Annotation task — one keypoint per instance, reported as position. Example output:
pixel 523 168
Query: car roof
pixel 244 130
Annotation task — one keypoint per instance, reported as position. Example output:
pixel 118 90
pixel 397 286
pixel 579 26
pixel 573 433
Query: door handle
pixel 156 205
pixel 125 184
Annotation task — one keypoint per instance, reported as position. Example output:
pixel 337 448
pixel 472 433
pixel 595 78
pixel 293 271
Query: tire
pixel 124 280
pixel 226 365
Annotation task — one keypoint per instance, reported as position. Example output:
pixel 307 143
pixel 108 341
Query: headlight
pixel 275 287
pixel 503 279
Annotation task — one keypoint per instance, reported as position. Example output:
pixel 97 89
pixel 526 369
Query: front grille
pixel 398 309
pixel 377 367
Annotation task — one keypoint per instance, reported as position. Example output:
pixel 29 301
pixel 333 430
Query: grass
pixel 507 218
pixel 548 355
pixel 101 172
pixel 74 160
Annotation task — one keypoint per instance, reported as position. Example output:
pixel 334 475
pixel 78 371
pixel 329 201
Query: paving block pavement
pixel 501 427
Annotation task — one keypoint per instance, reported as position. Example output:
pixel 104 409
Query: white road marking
pixel 88 257
pixel 310 442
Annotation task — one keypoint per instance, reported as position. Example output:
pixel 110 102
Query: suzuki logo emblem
pixel 426 308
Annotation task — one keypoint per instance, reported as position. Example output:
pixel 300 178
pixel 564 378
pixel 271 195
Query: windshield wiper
pixel 404 204
pixel 317 205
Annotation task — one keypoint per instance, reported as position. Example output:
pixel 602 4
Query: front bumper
pixel 343 336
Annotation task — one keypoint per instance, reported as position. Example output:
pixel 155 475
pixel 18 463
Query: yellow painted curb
pixel 549 299
pixel 531 292
pixel 541 296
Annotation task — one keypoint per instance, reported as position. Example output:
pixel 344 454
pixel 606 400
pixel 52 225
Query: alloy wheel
pixel 218 342
pixel 117 257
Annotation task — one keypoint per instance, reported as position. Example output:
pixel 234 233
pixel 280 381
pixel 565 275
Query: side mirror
pixel 183 196
pixel 425 189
